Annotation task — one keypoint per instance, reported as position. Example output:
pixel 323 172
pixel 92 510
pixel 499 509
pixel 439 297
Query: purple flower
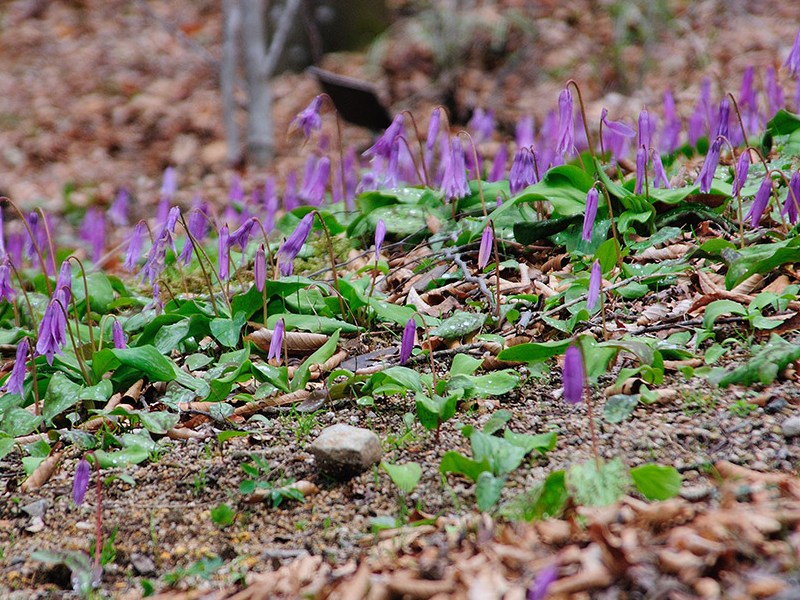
pixel 135 247
pixel 646 127
pixel 740 175
pixel 775 98
pixel 380 235
pixel 595 281
pixel 308 119
pixel 573 376
pixel 522 173
pixel 566 125
pixel 485 251
pixel 481 125
pixel 760 202
pixel 523 132
pixel 434 124
pixel 793 60
pixel 276 343
pixel 169 184
pixel 81 482
pixel 407 341
pixel 15 244
pixel 15 381
pixel 197 224
pixel 391 174
pixel 260 268
pixel 641 169
pixel 7 291
pixel 747 93
pixel 2 237
pixel 672 125
pixel 93 230
pixel 118 213
pixel 118 335
pixel 383 145
pixel 723 117
pixel 294 243
pixel 706 175
pixel 791 207
pixel 290 201
pixel 223 253
pixel 351 170
pixel 64 282
pixel 236 191
pixel 167 234
pixel 53 328
pixel 659 174
pixel 241 236
pixel 590 215
pixel 454 180
pixel 498 171
pixel 544 579
pixel 616 135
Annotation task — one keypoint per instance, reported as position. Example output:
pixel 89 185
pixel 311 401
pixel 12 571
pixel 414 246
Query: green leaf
pixel 386 311
pixel 454 462
pixel 593 487
pixel 101 293
pixel 543 442
pixel 145 359
pixel 532 352
pixel 61 394
pixel 460 325
pixel 564 186
pixel 717 308
pixel 406 476
pixel 158 422
pixel 783 123
pixel 545 501
pixel 497 421
pixel 432 412
pixel 529 232
pixel 323 353
pixel 312 323
pixel 488 490
pixel 6 446
pixel 227 331
pixel 619 407
pixel 771 359
pixel 464 364
pixel 497 383
pixel 228 434
pixel 222 515
pixel 168 337
pixel 18 421
pixel 132 455
pixel 193 362
pixel 408 378
pixel 503 456
pixel 656 482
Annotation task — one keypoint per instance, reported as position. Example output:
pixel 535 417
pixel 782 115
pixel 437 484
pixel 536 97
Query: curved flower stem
pixel 768 173
pixel 613 224
pixel 339 145
pixel 430 349
pixel 333 260
pixel 535 165
pixel 49 240
pixel 782 175
pixel 25 295
pixel 739 213
pixel 172 295
pixel 36 247
pixel 36 399
pixel 600 135
pixel 589 411
pixel 200 252
pixel 496 272
pixel 585 122
pixel 477 169
pixel 86 296
pixel 410 115
pixel 78 356
pixel 419 173
pixel 738 116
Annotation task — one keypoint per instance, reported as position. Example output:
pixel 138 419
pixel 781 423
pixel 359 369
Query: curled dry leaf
pixel 42 473
pixel 749 285
pixel 184 433
pixel 652 314
pixel 252 408
pixel 297 342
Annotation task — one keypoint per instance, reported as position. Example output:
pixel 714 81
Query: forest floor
pixel 98 95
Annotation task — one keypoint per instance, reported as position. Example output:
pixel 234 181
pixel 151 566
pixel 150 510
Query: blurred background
pixel 99 94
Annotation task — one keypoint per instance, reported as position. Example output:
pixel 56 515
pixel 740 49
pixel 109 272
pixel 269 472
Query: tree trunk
pixel 260 136
pixel 232 12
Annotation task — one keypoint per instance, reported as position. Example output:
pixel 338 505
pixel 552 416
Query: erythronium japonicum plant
pixel 575 385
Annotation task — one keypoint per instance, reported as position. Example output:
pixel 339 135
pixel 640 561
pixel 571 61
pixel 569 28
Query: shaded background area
pixel 98 94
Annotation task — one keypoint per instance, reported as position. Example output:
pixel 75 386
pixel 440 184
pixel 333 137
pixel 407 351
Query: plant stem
pixel 200 252
pixel 585 122
pixel 86 296
pixel 35 245
pixel 477 170
pixel 333 260
pixel 496 272
pixel 614 232
pixel 589 411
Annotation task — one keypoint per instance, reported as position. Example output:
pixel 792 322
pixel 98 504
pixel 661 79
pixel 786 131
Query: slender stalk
pixel 613 224
pixel 738 116
pixel 426 179
pixel 36 247
pixel 583 117
pixel 496 272
pixel 201 252
pixel 170 292
pixel 333 260
pixel 78 356
pixel 477 170
pixel 86 296
pixel 49 240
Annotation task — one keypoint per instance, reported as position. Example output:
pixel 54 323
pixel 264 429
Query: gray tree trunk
pixel 232 12
pixel 260 135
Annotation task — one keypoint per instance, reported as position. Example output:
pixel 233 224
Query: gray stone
pixel 37 508
pixel 696 493
pixel 775 406
pixel 343 450
pixel 143 564
pixel 791 426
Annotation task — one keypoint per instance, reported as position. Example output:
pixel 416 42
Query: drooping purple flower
pixel 590 215
pixel 380 235
pixel 39 236
pixel 351 172
pixel 7 291
pixel 407 341
pixel 793 60
pixel 645 129
pixel 706 175
pixel 522 172
pixel 498 171
pixel 485 250
pixel 308 119
pixel 659 174
pixel 223 253
pixel 293 244
pixel 135 245
pixel 167 234
pixel 595 281
pixel 566 126
pixel 391 174
pixel 118 212
pixel 481 125
pixel 260 268
pixel 15 381
pixel 672 125
pixel 740 175
pixel 523 132
pixel 15 244
pixel 64 282
pixel 53 328
pixel 775 97
pixel 81 482
pixel 290 200
pixel 197 224
pixel 791 206
pixel 573 375
pixel 616 135
pixel 2 236
pixel 760 202
pixel 641 169
pixel 454 180
pixel 699 121
pixel 236 191
pixel 118 335
pixel 544 579
pixel 747 93
pixel 157 304
pixel 723 117
pixel 241 236
pixel 169 184
pixel 383 145
pixel 547 137
pixel 276 343
pixel 434 125
pixel 93 230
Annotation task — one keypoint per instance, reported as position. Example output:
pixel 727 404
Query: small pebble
pixel 791 426
pixel 775 406
pixel 696 493
pixel 36 509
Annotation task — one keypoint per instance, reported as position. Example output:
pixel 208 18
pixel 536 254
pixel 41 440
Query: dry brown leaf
pixel 252 408
pixel 778 286
pixel 749 285
pixel 652 314
pixel 667 253
pixel 42 473
pixel 184 433
pixel 405 583
pixel 296 342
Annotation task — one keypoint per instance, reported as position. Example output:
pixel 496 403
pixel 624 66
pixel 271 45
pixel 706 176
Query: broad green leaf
pixel 222 515
pixel 783 123
pixel 168 337
pixel 545 501
pixel 771 359
pixel 145 359
pixel 454 462
pixel 158 422
pixel 619 407
pixel 529 232
pixel 405 476
pixel 386 311
pixel 488 490
pixel 460 325
pixel 193 362
pixel 6 446
pixel 543 442
pixel 227 331
pixel 496 383
pixel 408 378
pixel 132 455
pixel 717 308
pixel 61 394
pixel 323 353
pixel 497 421
pixel 503 456
pixel 532 352
pixel 312 323
pixel 434 411
pixel 593 487
pixel 657 482
pixel 228 434
pixel 18 421
pixel 464 364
